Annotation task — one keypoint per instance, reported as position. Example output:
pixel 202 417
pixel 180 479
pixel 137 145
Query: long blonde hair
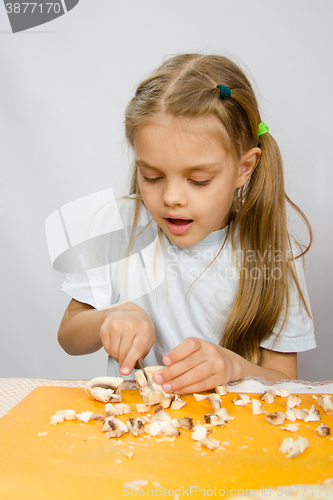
pixel 185 86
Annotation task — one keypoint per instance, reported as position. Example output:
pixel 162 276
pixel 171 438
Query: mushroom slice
pixel 153 428
pixel 168 429
pixel 213 420
pixel 84 416
pixel 215 405
pixel 57 419
pixel 118 409
pixel 148 395
pixel 326 403
pixel 224 414
pixel 210 443
pixel 300 414
pixel 166 402
pixel 245 398
pixel 177 403
pixel 161 414
pixel 323 430
pixel 298 447
pixel 68 414
pixel 200 432
pixel 186 423
pixel 283 393
pixel 276 418
pixel 143 408
pixel 117 428
pixel 135 426
pixel 97 417
pixel 313 415
pixel 257 407
pixel 286 445
pixel 221 390
pixel 200 397
pixel 268 397
pixel 290 415
pixel 176 422
pixel 242 400
pixel 293 401
pixel 105 389
pixel 290 428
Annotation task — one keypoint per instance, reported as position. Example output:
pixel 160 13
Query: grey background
pixel 63 89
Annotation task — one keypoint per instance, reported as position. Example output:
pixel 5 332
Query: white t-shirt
pixel 158 275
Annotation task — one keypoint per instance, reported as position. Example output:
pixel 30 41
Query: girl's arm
pixel 197 365
pixel 124 330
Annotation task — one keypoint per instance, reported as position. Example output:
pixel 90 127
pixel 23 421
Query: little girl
pixel 226 296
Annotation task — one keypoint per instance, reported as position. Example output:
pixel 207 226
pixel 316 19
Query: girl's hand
pixel 127 334
pixel 196 365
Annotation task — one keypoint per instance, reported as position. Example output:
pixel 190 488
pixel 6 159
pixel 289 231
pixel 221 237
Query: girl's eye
pixel 150 179
pixel 199 183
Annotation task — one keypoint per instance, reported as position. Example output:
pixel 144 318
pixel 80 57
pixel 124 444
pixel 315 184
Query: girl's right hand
pixel 127 334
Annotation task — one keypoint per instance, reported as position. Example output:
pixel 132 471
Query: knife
pixel 150 385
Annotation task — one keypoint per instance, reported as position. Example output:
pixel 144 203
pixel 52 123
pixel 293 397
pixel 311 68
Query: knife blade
pixel 150 385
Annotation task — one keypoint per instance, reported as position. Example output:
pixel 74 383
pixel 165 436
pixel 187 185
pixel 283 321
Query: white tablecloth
pixel 13 390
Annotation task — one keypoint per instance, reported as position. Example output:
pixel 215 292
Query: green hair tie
pixel 225 92
pixel 262 128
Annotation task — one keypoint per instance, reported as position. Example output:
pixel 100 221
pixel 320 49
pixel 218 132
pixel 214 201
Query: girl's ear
pixel 247 165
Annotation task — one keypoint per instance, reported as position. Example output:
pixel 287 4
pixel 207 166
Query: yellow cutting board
pixel 77 461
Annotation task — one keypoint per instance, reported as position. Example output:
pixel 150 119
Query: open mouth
pixel 178 226
pixel 180 222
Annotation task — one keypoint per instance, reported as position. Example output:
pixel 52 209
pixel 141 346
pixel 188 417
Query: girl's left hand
pixel 196 365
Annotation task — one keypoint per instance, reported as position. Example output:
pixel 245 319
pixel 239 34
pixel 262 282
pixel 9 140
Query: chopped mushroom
pixel 298 447
pixel 323 430
pixel 215 405
pixel 300 414
pixel 214 420
pixel 186 423
pixel 224 414
pixel 135 426
pixel 290 427
pixel 326 403
pixel 117 409
pixel 268 397
pixel 294 448
pixel 313 415
pixel 293 401
pixel 148 395
pixel 200 432
pixel 210 443
pixel 200 397
pixel 143 408
pixel 283 393
pixel 117 428
pixel 57 419
pixel 276 418
pixel 257 407
pixel 177 403
pixel 68 414
pixel 105 389
pixel 84 416
pixel 290 415
pixel 286 445
pixel 221 390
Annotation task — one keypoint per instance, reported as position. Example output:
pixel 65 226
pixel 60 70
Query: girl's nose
pixel 174 194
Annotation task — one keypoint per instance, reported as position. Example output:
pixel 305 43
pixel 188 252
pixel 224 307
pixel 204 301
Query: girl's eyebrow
pixel 205 166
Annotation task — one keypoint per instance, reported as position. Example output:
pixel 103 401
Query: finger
pixel 200 386
pixel 139 349
pixel 165 375
pixel 182 351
